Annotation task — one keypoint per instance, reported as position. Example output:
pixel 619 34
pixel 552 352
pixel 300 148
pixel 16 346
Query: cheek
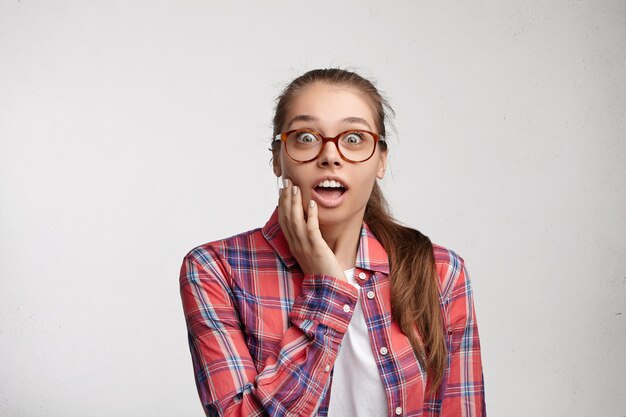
pixel 365 185
pixel 285 165
pixel 294 171
pixel 289 172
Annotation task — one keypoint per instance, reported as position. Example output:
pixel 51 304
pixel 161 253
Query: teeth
pixel 330 184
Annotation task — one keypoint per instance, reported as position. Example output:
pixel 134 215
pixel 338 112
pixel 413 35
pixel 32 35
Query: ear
pixel 382 165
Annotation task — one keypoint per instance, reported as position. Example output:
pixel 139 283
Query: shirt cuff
pixel 325 301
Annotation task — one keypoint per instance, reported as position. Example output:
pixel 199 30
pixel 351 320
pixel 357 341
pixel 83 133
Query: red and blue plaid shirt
pixel 264 336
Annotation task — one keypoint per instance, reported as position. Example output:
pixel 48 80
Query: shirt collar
pixel 371 254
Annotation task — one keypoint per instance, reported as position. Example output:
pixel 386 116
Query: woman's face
pixel 330 110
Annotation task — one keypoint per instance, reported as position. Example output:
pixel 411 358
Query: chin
pixel 336 216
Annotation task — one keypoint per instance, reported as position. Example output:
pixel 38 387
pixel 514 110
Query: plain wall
pixel 131 132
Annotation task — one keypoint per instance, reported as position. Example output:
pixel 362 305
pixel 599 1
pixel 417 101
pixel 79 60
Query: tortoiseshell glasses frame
pixel 361 152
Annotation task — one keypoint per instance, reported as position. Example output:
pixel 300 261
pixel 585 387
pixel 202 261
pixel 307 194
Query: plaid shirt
pixel 264 336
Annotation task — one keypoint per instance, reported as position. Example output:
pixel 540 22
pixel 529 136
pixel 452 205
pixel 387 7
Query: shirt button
pixel 398 411
pixel 370 294
pixel 327 368
pixel 362 275
pixel 346 308
pixel 383 350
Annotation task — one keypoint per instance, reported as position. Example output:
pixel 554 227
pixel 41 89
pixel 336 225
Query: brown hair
pixel 414 288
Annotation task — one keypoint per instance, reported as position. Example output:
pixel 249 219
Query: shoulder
pixel 233 247
pixel 450 268
pixel 213 268
pixel 456 290
pixel 228 252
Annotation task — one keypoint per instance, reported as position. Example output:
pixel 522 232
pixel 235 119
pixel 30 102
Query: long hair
pixel 415 300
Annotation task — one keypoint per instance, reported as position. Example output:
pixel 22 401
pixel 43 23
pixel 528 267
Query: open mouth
pixel 330 190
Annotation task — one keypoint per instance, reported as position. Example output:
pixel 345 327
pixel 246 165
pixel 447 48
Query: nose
pixel 330 156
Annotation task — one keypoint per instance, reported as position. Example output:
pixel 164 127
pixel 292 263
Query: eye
pixel 353 138
pixel 306 138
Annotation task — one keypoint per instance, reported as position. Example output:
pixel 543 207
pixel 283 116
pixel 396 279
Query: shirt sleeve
pixel 295 377
pixel 462 392
pixel 463 387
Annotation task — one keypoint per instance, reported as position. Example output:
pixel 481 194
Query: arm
pixel 295 377
pixel 464 393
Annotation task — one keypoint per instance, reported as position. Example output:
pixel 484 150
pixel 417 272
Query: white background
pixel 131 132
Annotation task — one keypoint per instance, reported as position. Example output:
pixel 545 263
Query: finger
pixel 297 216
pixel 284 210
pixel 313 226
pixel 286 196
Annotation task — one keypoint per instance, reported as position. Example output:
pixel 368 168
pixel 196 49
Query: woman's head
pixel 330 102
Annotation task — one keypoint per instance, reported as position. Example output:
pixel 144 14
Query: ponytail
pixel 414 289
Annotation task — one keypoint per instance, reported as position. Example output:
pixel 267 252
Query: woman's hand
pixel 304 236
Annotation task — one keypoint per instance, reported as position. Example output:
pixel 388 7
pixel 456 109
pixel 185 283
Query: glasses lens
pixel 303 145
pixel 357 145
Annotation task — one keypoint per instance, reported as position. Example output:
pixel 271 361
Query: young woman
pixel 332 308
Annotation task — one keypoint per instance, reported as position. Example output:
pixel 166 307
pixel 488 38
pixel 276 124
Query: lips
pixel 328 198
pixel 329 192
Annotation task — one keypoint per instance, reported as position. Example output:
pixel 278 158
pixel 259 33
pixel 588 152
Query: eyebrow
pixel 302 118
pixel 357 120
pixel 309 118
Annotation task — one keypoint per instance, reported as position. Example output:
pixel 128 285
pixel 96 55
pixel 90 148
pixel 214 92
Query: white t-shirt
pixel 356 388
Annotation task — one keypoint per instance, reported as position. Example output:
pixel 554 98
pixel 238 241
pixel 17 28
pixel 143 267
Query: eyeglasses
pixel 305 145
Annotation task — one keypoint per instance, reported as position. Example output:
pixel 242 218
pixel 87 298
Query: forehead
pixel 331 104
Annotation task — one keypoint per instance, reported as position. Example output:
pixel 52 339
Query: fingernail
pixel 285 183
pixel 295 189
pixel 312 204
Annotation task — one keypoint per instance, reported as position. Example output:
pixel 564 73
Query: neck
pixel 343 240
